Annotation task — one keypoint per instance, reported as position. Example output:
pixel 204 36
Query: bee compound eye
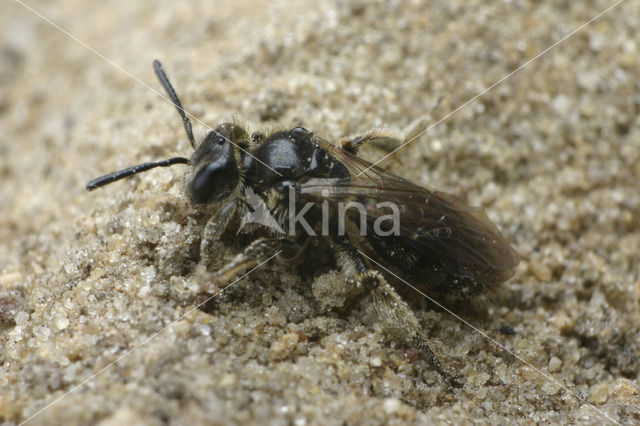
pixel 214 181
pixel 300 130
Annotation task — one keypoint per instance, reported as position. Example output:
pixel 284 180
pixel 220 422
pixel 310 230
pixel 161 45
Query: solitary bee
pixel 436 241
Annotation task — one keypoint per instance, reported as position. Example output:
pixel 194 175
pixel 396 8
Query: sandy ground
pixel 552 154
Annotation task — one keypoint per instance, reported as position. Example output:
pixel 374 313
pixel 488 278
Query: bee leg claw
pixel 450 378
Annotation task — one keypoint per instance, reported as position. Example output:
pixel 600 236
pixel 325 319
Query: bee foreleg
pixel 212 230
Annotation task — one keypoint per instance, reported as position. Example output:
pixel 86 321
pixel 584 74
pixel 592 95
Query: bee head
pixel 215 163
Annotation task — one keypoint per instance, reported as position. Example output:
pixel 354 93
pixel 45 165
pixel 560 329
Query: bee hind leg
pixel 389 305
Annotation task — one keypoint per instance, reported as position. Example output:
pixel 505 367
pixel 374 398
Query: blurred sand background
pixel 552 154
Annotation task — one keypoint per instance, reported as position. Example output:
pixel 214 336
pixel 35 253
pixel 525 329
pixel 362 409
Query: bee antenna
pixel 130 171
pixel 164 80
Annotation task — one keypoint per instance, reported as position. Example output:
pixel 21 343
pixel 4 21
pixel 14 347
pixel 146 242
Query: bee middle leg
pixel 383 141
pixel 388 304
pixel 256 253
pixel 389 141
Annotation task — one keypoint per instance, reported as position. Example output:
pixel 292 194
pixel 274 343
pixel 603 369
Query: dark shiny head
pixel 214 161
pixel 216 164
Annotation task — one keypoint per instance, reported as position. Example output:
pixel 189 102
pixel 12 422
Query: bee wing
pixel 439 222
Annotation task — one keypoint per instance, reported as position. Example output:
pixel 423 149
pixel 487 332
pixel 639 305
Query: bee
pixel 432 239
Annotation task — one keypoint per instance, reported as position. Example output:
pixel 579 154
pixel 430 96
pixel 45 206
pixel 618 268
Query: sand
pixel 98 291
